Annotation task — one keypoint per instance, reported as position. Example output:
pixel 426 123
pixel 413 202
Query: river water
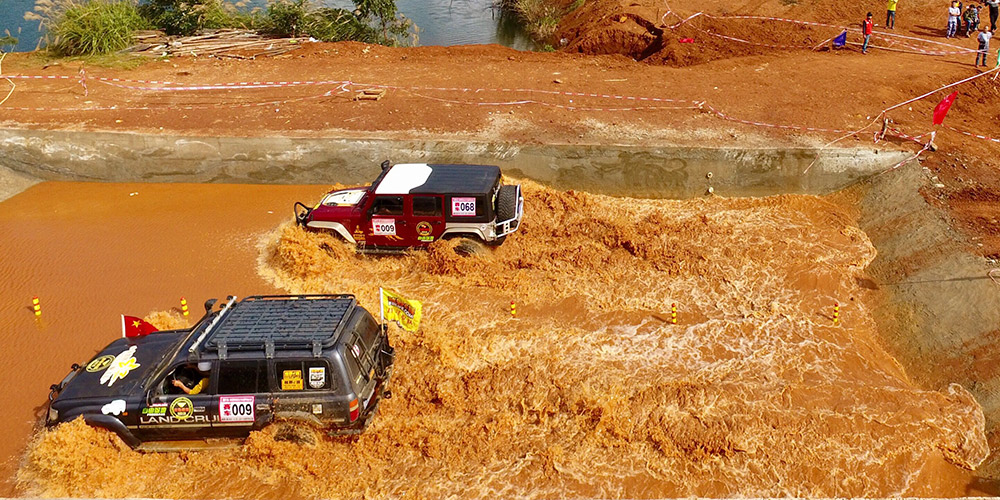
pixel 590 391
pixel 439 22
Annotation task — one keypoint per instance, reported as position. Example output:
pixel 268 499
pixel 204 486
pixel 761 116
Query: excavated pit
pixel 591 391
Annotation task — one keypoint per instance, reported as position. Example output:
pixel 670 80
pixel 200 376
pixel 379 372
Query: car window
pixel 242 377
pixel 388 205
pixel 313 374
pixel 427 206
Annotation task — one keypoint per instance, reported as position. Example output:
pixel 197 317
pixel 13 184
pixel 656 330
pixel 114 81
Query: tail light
pixel 355 409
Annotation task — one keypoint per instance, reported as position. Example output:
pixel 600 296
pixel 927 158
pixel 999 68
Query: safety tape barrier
pixel 970 134
pixel 342 87
pixel 877 34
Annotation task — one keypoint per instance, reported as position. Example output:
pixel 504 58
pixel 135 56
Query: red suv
pixel 411 205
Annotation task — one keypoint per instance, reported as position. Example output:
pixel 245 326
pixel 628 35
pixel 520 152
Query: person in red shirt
pixel 867 30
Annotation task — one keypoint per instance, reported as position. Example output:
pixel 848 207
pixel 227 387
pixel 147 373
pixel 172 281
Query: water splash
pixel 590 391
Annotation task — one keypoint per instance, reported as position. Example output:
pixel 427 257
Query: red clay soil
pixel 758 70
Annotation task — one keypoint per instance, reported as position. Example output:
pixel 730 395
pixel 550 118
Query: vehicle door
pixel 303 387
pixel 425 219
pixel 386 221
pixel 168 413
pixel 244 398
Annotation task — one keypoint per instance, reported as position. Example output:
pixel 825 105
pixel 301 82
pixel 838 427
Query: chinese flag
pixel 136 327
pixel 943 107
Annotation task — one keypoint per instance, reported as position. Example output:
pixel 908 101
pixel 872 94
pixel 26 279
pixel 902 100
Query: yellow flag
pixel 402 311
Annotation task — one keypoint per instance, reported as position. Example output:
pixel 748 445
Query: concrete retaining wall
pixel 940 312
pixel 634 171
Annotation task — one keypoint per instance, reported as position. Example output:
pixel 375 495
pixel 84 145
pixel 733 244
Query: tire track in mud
pixel 590 392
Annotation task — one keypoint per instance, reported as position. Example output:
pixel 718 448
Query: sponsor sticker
pixel 116 407
pixel 181 408
pixel 424 228
pixel 236 408
pixel 101 363
pixel 317 377
pixel 463 207
pixel 291 380
pixel 157 409
pixel 120 366
pixel 384 227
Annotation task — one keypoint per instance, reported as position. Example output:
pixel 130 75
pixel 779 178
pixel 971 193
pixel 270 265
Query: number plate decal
pixel 463 207
pixel 384 227
pixel 236 408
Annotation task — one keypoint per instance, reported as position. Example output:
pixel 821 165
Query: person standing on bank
pixel 994 6
pixel 984 45
pixel 890 14
pixel 971 18
pixel 953 12
pixel 866 29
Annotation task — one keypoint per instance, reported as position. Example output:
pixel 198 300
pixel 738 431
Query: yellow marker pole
pixel 673 313
pixel 36 307
pixel 184 307
pixel 513 309
pixel 836 313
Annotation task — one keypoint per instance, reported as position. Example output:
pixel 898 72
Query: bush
pixel 7 42
pixel 286 18
pixel 95 27
pixel 186 17
pixel 374 21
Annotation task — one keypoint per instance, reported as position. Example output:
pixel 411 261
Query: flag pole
pixel 123 326
pixel 381 307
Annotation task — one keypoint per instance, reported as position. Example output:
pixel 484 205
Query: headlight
pixel 53 414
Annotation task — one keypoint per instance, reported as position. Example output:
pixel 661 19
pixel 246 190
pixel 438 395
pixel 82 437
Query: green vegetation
pixel 7 42
pixel 373 21
pixel 186 17
pixel 539 17
pixel 82 27
pixel 96 27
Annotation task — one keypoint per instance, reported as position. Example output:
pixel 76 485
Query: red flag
pixel 136 327
pixel 943 107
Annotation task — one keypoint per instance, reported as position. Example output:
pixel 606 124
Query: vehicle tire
pixel 468 247
pixel 506 208
pixel 294 432
pixel 506 203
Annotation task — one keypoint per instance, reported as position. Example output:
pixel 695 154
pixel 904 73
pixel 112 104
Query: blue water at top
pixel 439 22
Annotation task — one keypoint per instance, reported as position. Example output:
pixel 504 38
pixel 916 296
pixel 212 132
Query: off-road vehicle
pixel 410 205
pixel 318 359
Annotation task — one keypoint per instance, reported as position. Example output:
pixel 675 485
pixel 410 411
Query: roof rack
pixel 269 322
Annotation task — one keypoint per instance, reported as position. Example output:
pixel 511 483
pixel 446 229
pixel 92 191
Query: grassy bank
pixel 540 17
pixel 91 27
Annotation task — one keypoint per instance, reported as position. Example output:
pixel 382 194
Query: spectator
pixel 971 18
pixel 890 14
pixel 953 12
pixel 994 6
pixel 867 30
pixel 984 45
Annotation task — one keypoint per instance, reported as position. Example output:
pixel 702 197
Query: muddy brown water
pixel 588 392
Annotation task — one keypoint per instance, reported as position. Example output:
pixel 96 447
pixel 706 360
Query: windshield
pixel 344 198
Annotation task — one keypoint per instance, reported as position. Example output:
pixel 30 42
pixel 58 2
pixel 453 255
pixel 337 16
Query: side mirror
pixel 385 164
pixel 209 304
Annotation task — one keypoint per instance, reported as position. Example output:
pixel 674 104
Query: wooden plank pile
pixel 240 44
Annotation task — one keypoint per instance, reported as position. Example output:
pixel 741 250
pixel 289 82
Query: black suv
pixel 320 359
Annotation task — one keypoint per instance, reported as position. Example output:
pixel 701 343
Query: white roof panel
pixel 404 177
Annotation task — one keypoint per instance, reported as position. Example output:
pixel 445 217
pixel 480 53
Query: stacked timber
pixel 241 44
